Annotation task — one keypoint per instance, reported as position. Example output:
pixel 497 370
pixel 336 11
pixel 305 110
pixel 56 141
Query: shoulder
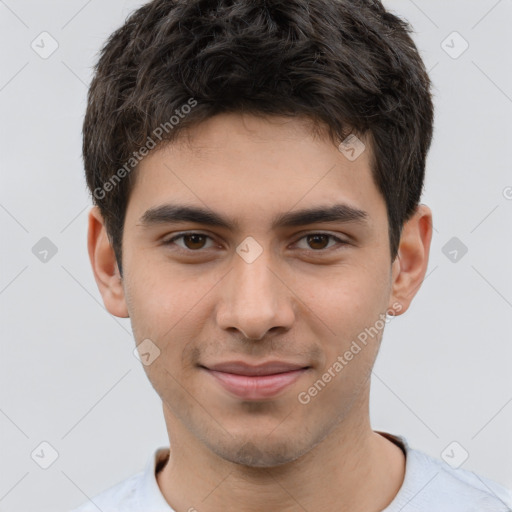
pixel 136 493
pixel 432 484
pixel 122 496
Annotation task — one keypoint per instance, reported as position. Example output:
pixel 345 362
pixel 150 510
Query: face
pixel 260 279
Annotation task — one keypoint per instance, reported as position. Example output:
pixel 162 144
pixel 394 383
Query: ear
pixel 410 265
pixel 104 266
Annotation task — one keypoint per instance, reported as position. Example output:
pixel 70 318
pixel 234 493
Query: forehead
pixel 247 166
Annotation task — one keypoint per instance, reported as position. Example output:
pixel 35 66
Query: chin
pixel 261 453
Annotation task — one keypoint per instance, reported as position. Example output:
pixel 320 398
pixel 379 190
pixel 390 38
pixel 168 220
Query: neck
pixel 352 469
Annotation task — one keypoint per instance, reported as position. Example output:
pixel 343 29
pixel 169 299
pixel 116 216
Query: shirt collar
pixel 151 497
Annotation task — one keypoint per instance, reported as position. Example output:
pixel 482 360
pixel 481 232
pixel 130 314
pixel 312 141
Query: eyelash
pixel 316 251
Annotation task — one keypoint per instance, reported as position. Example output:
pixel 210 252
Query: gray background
pixel 68 373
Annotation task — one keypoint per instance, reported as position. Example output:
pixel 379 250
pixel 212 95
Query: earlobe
pixel 104 266
pixel 410 265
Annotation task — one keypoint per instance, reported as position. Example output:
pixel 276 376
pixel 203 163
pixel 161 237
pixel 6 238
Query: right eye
pixel 192 241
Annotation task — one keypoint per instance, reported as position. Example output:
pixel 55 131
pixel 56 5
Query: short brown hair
pixel 348 65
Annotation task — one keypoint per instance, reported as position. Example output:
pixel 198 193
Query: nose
pixel 255 299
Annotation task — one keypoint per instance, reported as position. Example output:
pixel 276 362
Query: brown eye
pixel 194 241
pixel 318 241
pixel 190 241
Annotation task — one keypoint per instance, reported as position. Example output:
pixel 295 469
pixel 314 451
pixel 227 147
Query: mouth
pixel 255 382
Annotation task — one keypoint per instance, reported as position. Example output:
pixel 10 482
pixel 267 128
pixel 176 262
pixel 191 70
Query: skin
pixel 302 300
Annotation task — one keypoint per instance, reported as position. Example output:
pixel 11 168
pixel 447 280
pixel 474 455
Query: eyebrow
pixel 175 213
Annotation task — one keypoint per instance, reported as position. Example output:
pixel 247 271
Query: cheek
pixel 160 302
pixel 350 304
pixel 169 312
pixel 347 299
pixel 169 320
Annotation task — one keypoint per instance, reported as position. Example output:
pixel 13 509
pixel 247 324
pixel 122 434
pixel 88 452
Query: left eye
pixel 319 241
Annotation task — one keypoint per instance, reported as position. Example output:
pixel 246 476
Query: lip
pixel 256 382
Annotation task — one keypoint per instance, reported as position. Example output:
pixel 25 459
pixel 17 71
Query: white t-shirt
pixel 430 485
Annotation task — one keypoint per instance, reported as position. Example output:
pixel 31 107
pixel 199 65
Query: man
pixel 257 168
